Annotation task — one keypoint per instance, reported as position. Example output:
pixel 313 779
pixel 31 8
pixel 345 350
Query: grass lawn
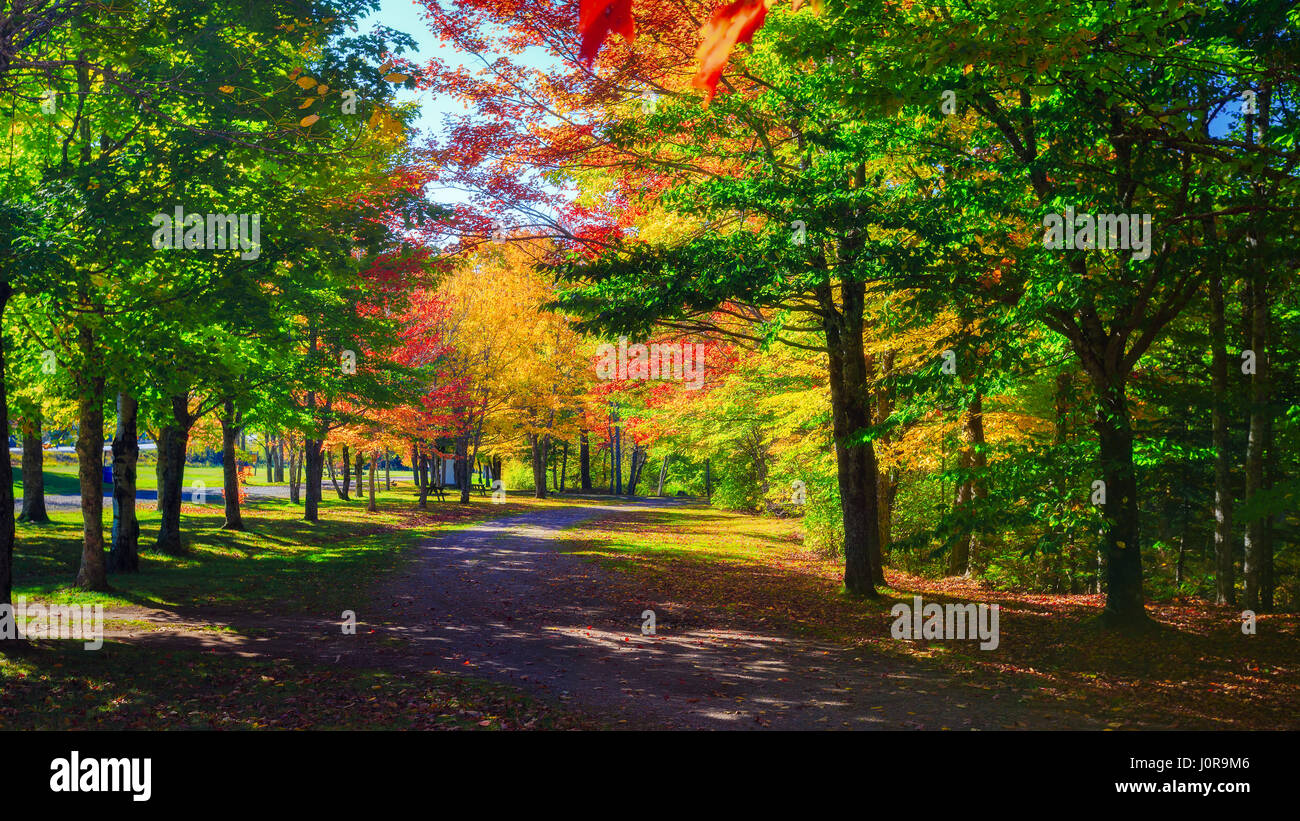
pixel 1196 670
pixel 61 478
pixel 280 564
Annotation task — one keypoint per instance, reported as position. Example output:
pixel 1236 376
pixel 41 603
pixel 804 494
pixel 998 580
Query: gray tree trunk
pixel 124 554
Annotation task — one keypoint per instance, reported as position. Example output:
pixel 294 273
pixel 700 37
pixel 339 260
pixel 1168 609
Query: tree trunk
pixel 93 573
pixel 1253 597
pixel 329 470
pixel 230 430
pixel 851 416
pixel 6 473
pixel 663 475
pixel 1121 541
pixel 462 467
pixel 279 461
pixel 887 489
pixel 388 469
pixel 1224 576
pixel 295 495
pixel 33 472
pixel 972 459
pixel 708 480
pixel 374 457
pixel 270 459
pixel 630 487
pixel 421 479
pixel 124 556
pixel 360 461
pixel 347 475
pixel 314 463
pixel 171 476
pixel 564 465
pixel 584 462
pixel 537 445
pixel 1267 579
pixel 617 464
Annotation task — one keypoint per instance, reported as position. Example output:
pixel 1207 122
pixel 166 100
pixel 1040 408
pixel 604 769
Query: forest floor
pixel 530 614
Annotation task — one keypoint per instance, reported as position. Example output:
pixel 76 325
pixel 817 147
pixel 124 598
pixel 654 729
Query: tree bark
pixel 124 555
pixel 1121 545
pixel 851 416
pixel 537 445
pixel 1224 577
pixel 972 458
pixel 584 462
pixel 230 430
pixel 6 472
pixel 171 476
pixel 1257 542
pixel 347 475
pixel 329 470
pixel 424 485
pixel 295 496
pixel 314 464
pixel 374 456
pixel 887 489
pixel 640 455
pixel 279 459
pixel 462 471
pixel 616 466
pixel 93 573
pixel 564 465
pixel 33 472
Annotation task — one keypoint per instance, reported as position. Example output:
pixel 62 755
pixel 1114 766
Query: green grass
pixel 61 478
pixel 280 564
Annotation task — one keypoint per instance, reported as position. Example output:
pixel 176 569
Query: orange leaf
pixel 733 23
pixel 597 19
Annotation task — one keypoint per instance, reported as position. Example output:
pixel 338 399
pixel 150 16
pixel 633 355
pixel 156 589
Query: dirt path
pixel 497 601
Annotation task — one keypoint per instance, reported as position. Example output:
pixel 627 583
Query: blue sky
pixel 404 16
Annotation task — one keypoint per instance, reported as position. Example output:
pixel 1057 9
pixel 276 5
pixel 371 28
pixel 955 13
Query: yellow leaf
pixel 226 89
pixel 307 102
pixel 395 77
pixel 322 89
pixel 306 82
pixel 309 120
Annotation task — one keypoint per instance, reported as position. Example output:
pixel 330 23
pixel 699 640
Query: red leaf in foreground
pixel 597 19
pixel 733 23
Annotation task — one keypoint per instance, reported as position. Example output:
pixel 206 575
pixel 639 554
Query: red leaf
pixel 733 23
pixel 597 19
